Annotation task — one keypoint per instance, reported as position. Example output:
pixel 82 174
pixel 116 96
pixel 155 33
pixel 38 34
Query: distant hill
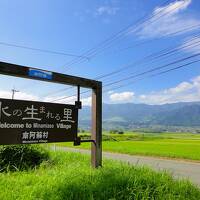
pixel 138 115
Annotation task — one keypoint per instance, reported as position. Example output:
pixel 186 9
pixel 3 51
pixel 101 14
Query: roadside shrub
pixel 21 157
pixel 113 131
pixel 116 132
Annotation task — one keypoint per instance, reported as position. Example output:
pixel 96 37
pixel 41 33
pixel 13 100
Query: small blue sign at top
pixel 40 74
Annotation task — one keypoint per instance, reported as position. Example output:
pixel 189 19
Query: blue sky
pixel 77 26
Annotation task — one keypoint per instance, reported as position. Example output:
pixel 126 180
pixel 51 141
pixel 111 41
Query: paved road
pixel 179 169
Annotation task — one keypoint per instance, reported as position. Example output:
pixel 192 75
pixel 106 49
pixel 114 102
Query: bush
pixel 113 131
pixel 116 132
pixel 21 157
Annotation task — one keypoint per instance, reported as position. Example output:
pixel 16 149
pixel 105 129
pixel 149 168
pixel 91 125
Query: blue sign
pixel 40 74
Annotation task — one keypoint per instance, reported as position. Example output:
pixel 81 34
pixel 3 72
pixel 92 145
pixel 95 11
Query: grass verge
pixel 69 176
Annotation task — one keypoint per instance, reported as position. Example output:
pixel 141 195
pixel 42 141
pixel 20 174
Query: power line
pixel 152 75
pixel 140 74
pixel 59 99
pixel 145 21
pixel 164 54
pixel 58 91
pixel 154 69
pixel 106 46
pixel 153 57
pixel 140 24
pixel 123 68
pixel 118 35
pixel 170 53
pixel 183 30
pixel 195 27
pixel 139 27
pixel 126 30
pixel 43 50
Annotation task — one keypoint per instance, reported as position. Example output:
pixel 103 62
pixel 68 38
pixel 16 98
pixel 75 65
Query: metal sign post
pixel 48 76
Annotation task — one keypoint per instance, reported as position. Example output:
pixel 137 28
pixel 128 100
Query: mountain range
pixel 131 115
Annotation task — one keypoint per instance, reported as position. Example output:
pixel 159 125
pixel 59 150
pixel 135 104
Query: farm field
pixel 69 176
pixel 171 145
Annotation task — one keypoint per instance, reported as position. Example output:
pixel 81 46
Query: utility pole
pixel 13 93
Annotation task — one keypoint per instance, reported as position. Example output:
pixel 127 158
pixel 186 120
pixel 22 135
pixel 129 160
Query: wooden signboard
pixel 26 122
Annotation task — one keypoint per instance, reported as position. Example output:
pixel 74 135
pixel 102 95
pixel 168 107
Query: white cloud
pixel 123 97
pixel 173 7
pixel 87 101
pixel 182 87
pixel 183 92
pixel 108 10
pixel 191 45
pixel 110 92
pixel 168 19
pixel 18 95
pixel 63 100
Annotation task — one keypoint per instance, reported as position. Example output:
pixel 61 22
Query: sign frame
pixel 96 86
pixel 34 122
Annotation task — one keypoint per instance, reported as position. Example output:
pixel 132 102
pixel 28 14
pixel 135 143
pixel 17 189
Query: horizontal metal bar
pixel 93 141
pixel 23 72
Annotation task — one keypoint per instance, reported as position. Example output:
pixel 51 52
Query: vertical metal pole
pixel 78 105
pixel 96 148
pixel 78 93
pixel 13 93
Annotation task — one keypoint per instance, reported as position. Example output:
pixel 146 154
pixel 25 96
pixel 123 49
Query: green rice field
pixel 169 145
